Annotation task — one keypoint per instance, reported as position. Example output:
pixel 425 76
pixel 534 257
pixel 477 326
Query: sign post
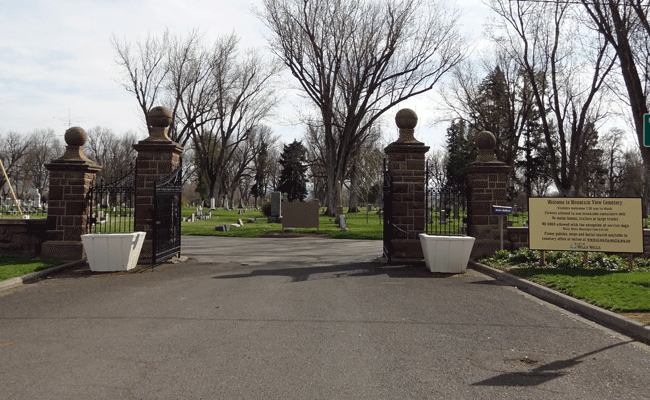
pixel 501 211
pixel 646 130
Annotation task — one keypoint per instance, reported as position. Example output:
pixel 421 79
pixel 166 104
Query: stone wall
pixel 22 237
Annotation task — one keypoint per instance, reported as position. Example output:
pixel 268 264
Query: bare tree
pixel 624 24
pixel 114 153
pixel 314 142
pixel 44 146
pixel 501 102
pixel 362 160
pixel 13 151
pixel 356 59
pixel 217 96
pixel 567 67
pixel 437 169
pixel 145 70
pixel 366 183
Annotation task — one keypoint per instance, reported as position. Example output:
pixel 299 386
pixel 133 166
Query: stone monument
pixel 276 207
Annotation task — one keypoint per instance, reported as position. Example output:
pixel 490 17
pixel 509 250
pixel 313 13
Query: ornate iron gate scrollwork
pixel 167 216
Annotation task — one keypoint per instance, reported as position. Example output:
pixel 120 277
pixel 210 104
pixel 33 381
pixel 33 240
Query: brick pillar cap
pixel 74 157
pixel 406 120
pixel 158 120
pixel 159 117
pixel 75 136
pixel 485 143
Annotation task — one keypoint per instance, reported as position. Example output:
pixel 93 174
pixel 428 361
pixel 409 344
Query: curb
pixel 37 276
pixel 607 318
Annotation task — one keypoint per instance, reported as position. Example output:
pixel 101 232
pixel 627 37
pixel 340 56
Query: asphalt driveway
pixel 302 319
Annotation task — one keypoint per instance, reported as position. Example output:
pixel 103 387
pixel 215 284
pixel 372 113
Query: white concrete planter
pixel 113 251
pixel 447 254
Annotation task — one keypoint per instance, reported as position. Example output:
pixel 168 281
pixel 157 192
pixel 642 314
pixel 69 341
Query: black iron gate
pixel 446 209
pixel 388 214
pixel 112 205
pixel 167 216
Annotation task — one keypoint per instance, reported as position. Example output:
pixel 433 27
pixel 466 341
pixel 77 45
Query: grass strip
pixel 11 267
pixel 612 290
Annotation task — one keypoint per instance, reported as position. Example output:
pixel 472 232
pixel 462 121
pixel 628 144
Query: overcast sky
pixel 57 65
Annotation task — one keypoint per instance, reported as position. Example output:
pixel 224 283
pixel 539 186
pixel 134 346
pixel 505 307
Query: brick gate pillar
pixel 157 157
pixel 406 164
pixel 68 207
pixel 487 185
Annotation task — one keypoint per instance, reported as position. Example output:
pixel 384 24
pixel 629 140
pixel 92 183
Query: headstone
pixel 342 225
pixel 222 228
pixel 192 217
pixel 276 207
pixel 250 220
pixel 240 222
pixel 443 217
pixel 236 225
pixel 213 203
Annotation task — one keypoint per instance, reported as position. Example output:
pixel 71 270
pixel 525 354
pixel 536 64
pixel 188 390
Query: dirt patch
pixel 641 317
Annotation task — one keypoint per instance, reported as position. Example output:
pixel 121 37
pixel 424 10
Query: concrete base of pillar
pixel 486 248
pixel 407 251
pixel 63 250
pixel 146 254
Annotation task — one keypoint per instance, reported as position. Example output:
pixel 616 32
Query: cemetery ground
pixel 360 225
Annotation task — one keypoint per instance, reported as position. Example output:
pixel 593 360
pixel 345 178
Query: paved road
pixel 350 329
pixel 310 251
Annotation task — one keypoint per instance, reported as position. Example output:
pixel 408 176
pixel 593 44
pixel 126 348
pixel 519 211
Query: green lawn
pixel 11 267
pixel 613 290
pixel 358 227
pixel 604 282
pixel 6 215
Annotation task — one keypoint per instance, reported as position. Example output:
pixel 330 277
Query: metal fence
pixel 112 205
pixel 519 217
pixel 446 213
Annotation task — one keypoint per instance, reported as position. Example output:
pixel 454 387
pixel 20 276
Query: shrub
pixel 524 255
pixel 266 208
pixel 603 261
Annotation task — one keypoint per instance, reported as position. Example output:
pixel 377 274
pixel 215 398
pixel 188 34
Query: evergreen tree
pixel 293 180
pixel 535 166
pixel 462 151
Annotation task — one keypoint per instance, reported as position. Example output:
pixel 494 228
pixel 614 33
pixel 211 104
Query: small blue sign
pixel 501 210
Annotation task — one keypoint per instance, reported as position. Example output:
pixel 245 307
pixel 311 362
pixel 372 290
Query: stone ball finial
pixel 485 143
pixel 485 140
pixel 406 119
pixel 159 117
pixel 75 136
